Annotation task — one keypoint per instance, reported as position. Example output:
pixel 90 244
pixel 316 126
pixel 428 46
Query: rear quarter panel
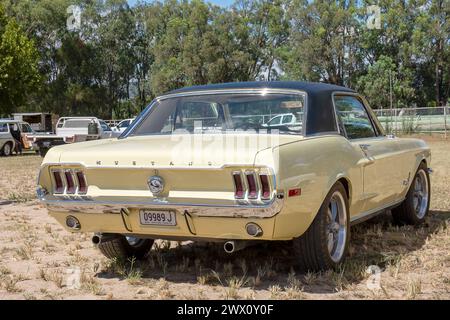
pixel 314 165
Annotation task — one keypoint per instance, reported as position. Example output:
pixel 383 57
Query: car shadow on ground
pixel 376 242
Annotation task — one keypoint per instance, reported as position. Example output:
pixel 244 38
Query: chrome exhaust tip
pixel 103 237
pixel 229 246
pixel 96 239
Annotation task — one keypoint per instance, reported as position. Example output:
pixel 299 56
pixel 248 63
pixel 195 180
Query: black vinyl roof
pixel 308 87
pixel 320 110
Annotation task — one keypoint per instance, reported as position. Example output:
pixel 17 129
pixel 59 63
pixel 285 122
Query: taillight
pixel 70 182
pixel 265 186
pixel 59 186
pixel 82 186
pixel 252 186
pixel 239 192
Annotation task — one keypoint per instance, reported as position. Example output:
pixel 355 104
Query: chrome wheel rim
pixel 420 194
pixel 336 227
pixel 133 241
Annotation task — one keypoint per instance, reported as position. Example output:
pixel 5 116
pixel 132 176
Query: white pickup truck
pixel 70 130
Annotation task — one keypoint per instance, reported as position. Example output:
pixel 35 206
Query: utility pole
pixel 390 98
pixel 390 88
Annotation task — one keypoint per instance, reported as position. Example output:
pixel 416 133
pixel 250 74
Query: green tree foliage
pixel 382 80
pixel 19 74
pixel 121 57
pixel 323 43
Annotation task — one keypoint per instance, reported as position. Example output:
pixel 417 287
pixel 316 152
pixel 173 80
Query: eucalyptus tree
pixel 323 41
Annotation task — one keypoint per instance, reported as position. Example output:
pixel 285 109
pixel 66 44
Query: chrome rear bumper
pixel 243 209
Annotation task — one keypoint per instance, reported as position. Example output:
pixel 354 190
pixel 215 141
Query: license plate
pixel 161 218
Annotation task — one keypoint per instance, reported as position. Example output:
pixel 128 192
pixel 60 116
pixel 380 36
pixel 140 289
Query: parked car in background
pixel 70 130
pixel 7 142
pixel 307 184
pixel 287 119
pixel 123 125
pixel 39 121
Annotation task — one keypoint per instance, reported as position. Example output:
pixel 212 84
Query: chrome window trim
pixel 147 111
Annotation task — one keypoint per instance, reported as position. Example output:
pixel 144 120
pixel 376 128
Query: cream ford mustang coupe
pixel 202 164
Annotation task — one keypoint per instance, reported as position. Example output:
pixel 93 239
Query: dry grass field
pixel 36 256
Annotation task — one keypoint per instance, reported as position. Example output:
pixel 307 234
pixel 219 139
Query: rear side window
pixel 353 117
pixel 3 127
pixel 288 118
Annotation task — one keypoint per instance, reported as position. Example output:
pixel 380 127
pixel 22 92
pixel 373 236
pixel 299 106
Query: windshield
pixel 25 127
pixel 105 126
pixel 220 113
pixel 124 124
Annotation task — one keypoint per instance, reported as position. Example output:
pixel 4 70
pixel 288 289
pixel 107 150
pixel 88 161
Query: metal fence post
pixel 445 121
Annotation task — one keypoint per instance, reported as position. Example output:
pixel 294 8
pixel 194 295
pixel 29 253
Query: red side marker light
pixel 295 192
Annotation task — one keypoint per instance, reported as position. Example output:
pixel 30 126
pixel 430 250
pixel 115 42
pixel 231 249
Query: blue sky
pixel 224 3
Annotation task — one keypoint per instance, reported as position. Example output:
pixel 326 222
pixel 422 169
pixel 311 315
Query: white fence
pixel 415 120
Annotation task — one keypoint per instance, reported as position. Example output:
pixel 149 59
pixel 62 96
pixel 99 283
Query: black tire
pixel 311 248
pixel 405 213
pixel 120 248
pixel 6 149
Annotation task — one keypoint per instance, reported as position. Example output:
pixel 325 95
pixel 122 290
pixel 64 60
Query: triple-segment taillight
pixel 252 185
pixel 69 181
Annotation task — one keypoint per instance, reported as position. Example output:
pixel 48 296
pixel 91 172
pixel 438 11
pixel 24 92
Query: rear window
pixel 224 112
pixel 76 123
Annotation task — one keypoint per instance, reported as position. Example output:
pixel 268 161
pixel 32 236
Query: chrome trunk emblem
pixel 155 184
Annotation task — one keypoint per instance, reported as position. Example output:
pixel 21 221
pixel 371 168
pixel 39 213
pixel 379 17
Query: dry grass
pixel 18 178
pixel 36 254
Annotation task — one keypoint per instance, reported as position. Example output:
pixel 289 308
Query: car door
pixel 4 134
pixel 26 131
pixel 380 160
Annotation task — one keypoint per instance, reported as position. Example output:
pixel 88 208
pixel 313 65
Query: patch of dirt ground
pixel 40 260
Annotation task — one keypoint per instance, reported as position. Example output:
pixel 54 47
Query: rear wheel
pixel 324 245
pixel 124 247
pixel 414 208
pixel 6 150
